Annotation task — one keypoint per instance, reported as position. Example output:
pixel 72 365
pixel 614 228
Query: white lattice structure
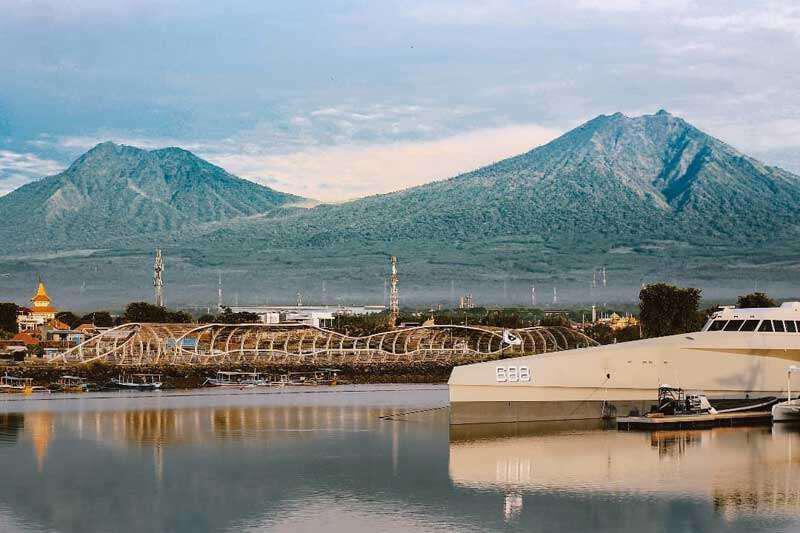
pixel 141 343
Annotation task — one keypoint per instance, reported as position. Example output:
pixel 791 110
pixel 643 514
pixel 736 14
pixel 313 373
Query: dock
pixel 694 421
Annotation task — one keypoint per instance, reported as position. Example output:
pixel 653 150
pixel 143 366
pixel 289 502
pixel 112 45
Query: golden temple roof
pixel 41 294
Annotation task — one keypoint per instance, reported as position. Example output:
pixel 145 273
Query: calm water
pixel 349 459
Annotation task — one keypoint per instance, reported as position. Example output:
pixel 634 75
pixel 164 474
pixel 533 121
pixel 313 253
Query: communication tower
pixel 219 292
pixel 394 301
pixel 555 296
pixel 158 281
pixel 604 277
pixel 533 295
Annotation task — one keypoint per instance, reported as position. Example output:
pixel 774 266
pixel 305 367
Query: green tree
pixel 229 317
pixel 600 332
pixel 144 312
pixel 206 319
pixel 8 317
pixel 755 299
pixel 101 319
pixel 178 317
pixel 556 319
pixel 69 318
pixel 668 310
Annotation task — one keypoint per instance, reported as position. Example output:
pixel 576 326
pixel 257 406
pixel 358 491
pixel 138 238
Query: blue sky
pixel 340 99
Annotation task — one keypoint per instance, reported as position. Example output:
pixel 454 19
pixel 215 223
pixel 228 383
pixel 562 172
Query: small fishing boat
pixel 17 384
pixel 137 381
pixel 788 411
pixel 236 379
pixel 323 376
pixel 68 383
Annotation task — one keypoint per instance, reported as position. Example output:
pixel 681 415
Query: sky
pixel 343 98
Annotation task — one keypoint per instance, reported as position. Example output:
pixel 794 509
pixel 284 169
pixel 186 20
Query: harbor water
pixel 372 458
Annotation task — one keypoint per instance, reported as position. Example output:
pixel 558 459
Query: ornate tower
pixel 158 282
pixel 394 301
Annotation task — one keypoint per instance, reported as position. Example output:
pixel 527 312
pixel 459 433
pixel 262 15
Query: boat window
pixel 717 325
pixel 778 325
pixel 791 327
pixel 766 325
pixel 749 325
pixel 734 325
pixel 797 323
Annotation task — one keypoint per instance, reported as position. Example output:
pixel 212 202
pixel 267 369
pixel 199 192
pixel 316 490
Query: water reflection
pixel 740 470
pixel 362 463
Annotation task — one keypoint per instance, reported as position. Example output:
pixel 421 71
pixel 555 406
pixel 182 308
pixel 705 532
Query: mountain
pixel 614 177
pixel 651 198
pixel 115 192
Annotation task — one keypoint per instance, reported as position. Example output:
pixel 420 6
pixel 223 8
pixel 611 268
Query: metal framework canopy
pixel 146 343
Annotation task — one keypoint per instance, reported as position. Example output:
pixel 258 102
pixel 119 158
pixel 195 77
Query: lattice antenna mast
pixel 604 277
pixel 158 281
pixel 219 292
pixel 394 301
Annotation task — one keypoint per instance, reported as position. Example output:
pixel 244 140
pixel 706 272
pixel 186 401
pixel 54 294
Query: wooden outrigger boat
pixel 236 379
pixel 323 376
pixel 17 384
pixel 137 381
pixel 72 384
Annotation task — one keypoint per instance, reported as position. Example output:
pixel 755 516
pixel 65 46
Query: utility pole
pixel 158 281
pixel 394 300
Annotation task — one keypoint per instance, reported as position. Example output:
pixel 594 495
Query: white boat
pixel 788 411
pixel 236 379
pixel 739 354
pixel 17 384
pixel 137 381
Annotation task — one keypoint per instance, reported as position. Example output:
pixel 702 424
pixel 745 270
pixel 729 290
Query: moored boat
pixel 788 411
pixel 137 381
pixel 323 376
pixel 68 383
pixel 18 384
pixel 236 379
pixel 740 354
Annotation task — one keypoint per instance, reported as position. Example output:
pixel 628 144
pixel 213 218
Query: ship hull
pixel 617 380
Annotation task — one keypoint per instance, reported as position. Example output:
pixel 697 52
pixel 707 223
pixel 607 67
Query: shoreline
pixel 189 377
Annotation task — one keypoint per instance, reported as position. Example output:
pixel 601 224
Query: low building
pixel 309 315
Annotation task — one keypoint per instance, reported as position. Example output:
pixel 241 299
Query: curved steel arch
pixel 193 343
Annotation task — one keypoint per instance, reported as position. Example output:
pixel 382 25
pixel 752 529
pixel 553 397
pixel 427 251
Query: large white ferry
pixel 739 353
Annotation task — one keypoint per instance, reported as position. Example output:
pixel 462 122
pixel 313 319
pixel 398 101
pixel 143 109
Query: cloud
pixel 338 173
pixel 765 16
pixel 17 169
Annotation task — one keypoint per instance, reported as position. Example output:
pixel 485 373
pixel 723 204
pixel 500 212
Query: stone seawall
pixel 192 376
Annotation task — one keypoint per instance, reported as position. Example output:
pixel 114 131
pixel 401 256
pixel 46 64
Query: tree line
pixel 663 310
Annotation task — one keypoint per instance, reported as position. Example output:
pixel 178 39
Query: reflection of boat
pixel 323 376
pixel 739 354
pixel 137 381
pixel 16 384
pixel 72 384
pixel 788 411
pixel 570 456
pixel 236 379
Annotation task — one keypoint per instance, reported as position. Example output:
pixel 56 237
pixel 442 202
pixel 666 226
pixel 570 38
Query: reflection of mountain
pixel 738 469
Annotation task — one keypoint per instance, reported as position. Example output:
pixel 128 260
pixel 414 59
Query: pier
pixel 694 421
